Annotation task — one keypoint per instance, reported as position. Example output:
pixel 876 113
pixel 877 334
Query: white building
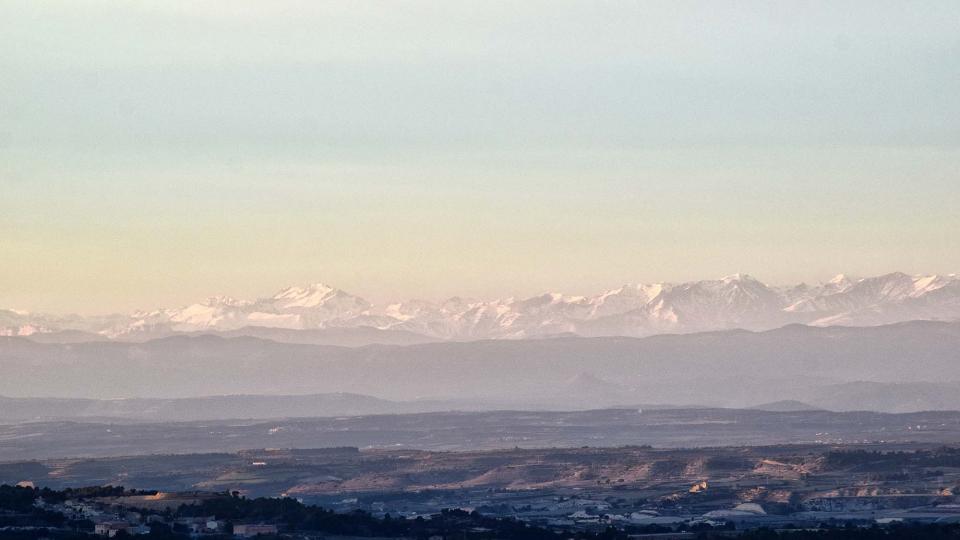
pixel 248 530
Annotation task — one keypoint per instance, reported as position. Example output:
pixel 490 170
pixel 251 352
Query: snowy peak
pixel 890 288
pixel 842 281
pixel 738 277
pixel 736 301
pixel 309 296
pixel 311 306
pixel 315 306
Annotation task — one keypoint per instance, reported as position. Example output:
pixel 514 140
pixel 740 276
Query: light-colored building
pixel 111 528
pixel 248 530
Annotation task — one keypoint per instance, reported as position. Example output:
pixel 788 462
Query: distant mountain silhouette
pixel 786 405
pixel 730 368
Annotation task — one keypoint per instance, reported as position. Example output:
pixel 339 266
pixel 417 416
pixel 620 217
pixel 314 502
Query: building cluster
pixel 111 518
pixel 691 505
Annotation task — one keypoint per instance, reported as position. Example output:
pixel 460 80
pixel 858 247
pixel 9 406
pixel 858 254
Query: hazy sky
pixel 155 152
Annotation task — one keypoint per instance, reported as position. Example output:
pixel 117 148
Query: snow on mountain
pixel 890 298
pixel 317 305
pixel 625 299
pixel 738 301
pixel 313 306
pixel 22 323
pixel 215 311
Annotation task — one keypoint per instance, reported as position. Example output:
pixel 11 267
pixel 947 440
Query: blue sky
pixel 155 152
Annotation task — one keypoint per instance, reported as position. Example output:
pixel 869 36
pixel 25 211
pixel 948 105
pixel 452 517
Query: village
pixel 636 490
pixel 134 514
pixel 131 515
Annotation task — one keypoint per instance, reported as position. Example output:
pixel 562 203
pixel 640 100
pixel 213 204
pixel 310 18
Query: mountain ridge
pixel 912 362
pixel 636 310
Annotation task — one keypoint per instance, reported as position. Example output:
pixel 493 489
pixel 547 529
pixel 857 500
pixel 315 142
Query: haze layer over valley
pixel 913 363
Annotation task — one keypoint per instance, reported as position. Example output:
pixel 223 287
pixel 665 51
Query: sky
pixel 153 153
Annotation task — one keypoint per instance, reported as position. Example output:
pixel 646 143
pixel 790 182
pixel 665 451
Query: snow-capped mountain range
pixel 738 301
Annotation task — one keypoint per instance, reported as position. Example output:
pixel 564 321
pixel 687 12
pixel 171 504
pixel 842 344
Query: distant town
pixel 587 492
pixel 114 512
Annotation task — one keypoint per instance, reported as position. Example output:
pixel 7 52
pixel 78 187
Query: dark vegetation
pixel 17 509
pixel 295 516
pixel 866 461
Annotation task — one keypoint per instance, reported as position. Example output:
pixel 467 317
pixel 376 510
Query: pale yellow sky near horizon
pixel 155 153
